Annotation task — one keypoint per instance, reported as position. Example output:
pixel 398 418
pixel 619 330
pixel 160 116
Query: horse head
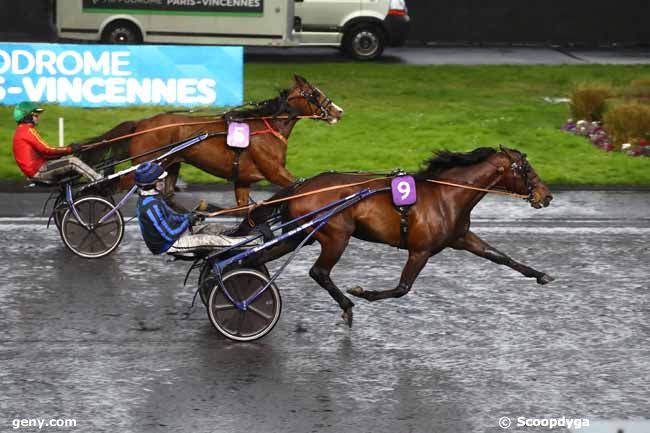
pixel 308 100
pixel 520 177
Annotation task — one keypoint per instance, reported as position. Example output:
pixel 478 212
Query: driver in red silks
pixel 35 158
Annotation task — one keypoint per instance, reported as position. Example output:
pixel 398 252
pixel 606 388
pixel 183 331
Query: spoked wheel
pixel 257 319
pixel 207 282
pixel 99 239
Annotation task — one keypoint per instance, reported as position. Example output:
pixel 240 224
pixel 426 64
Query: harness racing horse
pixel 439 219
pixel 270 123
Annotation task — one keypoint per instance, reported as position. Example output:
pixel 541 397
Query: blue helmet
pixel 148 173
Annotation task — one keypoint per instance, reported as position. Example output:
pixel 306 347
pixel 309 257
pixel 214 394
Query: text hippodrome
pixel 104 79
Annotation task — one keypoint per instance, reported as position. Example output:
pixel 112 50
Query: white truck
pixel 362 28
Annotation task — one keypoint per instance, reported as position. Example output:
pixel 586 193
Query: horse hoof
pixel 545 279
pixel 202 206
pixel 356 291
pixel 347 317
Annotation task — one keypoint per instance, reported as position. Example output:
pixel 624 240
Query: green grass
pixel 397 115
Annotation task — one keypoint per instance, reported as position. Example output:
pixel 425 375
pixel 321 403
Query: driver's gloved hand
pixel 196 217
pixel 76 148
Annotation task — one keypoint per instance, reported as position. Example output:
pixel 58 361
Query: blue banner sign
pixel 118 75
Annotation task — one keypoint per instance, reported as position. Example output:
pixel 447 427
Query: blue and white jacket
pixel 159 224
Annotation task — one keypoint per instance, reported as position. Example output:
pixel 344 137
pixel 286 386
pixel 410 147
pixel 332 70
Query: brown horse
pixel 270 123
pixel 439 219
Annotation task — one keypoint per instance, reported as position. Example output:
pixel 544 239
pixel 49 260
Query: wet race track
pixel 113 343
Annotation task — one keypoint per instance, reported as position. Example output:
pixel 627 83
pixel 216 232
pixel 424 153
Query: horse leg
pixel 272 253
pixel 414 264
pixel 170 186
pixel 331 251
pixel 281 176
pixel 475 245
pixel 242 193
pixel 274 171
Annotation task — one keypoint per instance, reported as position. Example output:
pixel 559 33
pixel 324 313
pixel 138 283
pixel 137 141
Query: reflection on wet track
pixel 115 344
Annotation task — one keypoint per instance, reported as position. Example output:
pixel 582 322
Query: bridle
pixel 316 99
pixel 521 168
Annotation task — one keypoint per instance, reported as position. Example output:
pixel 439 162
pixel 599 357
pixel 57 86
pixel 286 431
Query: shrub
pixel 628 123
pixel 588 101
pixel 638 90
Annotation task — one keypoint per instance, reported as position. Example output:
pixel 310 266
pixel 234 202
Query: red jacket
pixel 31 152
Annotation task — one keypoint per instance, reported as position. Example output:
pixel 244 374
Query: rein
pixel 133 134
pixel 475 188
pixel 269 129
pixel 291 197
pixel 333 188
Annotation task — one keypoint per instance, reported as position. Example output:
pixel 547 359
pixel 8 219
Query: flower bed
pixel 595 133
pixel 613 119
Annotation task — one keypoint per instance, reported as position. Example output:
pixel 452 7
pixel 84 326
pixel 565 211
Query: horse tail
pixel 258 221
pixel 115 150
pixel 260 215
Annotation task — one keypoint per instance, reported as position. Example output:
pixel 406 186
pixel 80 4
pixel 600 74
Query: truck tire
pixel 364 42
pixel 122 32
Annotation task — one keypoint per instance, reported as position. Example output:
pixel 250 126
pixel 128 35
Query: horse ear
pixel 299 79
pixel 504 149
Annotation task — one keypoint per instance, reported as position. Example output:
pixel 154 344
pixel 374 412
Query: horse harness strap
pixel 270 130
pixel 403 226
pixel 234 173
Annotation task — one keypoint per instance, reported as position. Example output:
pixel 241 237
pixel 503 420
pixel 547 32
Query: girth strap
pixel 234 173
pixel 403 226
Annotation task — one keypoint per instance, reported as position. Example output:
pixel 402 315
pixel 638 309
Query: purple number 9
pixel 404 188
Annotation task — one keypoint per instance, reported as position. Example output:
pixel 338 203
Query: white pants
pixel 57 168
pixel 205 237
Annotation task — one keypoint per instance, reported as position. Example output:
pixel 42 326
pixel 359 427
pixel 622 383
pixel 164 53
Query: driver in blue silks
pixel 163 229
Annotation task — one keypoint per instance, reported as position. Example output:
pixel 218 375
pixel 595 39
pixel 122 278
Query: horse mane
pixel 114 150
pixel 267 108
pixel 444 159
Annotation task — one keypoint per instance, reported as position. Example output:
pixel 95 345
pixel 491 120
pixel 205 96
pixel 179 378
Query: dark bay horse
pixel 270 123
pixel 439 219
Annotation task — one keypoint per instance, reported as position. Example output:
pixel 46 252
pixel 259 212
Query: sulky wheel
pixel 257 319
pixel 207 282
pixel 98 239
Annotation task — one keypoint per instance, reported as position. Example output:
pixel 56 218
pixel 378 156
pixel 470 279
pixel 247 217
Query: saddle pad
pixel 238 135
pixel 403 189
